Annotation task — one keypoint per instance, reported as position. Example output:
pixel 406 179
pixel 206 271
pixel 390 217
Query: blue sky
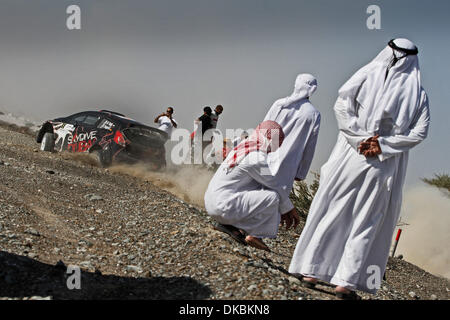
pixel 139 57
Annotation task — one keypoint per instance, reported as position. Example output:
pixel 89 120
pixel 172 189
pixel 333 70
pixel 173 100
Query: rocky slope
pixel 134 240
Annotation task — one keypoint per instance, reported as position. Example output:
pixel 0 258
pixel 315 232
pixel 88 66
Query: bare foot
pixel 310 280
pixel 256 243
pixel 342 290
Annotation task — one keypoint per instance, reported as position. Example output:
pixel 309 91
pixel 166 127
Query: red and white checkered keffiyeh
pixel 267 137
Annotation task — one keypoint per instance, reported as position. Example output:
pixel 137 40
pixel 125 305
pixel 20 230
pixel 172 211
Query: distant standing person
pixel 205 122
pixel 166 121
pixel 300 121
pixel 215 115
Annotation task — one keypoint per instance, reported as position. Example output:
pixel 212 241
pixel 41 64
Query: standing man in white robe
pixel 382 112
pixel 244 197
pixel 300 121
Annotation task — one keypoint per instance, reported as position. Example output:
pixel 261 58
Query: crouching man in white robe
pixel 300 122
pixel 244 197
pixel 382 112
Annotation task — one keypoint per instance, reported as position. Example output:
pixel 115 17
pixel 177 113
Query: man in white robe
pixel 300 121
pixel 244 197
pixel 382 112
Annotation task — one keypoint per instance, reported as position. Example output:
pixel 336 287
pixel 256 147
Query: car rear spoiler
pixel 113 112
pixel 149 128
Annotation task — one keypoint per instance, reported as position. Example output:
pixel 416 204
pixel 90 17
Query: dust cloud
pixel 84 158
pixel 425 241
pixel 188 183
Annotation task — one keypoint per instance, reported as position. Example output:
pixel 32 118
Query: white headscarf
pixel 305 85
pixel 397 96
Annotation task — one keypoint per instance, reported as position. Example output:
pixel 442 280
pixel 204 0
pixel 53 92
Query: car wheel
pixel 102 157
pixel 48 142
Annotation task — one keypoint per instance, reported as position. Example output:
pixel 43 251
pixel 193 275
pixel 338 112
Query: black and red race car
pixel 109 136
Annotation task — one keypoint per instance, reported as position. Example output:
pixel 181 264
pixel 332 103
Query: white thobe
pixel 300 122
pixel 352 218
pixel 247 196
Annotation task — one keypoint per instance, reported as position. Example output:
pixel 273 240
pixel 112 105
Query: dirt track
pixel 134 240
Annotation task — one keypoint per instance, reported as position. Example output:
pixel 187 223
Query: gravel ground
pixel 133 240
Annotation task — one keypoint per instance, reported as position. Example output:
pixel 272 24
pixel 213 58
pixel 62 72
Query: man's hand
pixel 370 147
pixel 290 218
pixel 159 116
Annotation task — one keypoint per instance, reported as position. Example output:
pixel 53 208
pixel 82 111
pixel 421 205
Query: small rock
pixel 252 287
pixel 99 211
pixel 134 269
pixel 85 242
pixel 293 280
pixel 50 171
pixel 272 270
pixel 33 232
pixel 412 294
pixel 93 197
pixel 86 265
pixel 433 297
pixel 400 257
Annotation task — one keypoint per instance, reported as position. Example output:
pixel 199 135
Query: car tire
pixel 48 142
pixel 102 157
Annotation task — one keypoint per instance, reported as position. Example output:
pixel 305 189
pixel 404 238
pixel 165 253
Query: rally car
pixel 107 135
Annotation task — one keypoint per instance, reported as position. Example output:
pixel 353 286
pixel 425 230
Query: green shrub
pixel 302 194
pixel 442 181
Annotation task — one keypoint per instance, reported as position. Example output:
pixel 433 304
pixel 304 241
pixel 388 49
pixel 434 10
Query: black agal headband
pixel 407 51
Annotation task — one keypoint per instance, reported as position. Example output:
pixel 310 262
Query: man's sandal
pixel 232 231
pixel 348 296
pixel 308 284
